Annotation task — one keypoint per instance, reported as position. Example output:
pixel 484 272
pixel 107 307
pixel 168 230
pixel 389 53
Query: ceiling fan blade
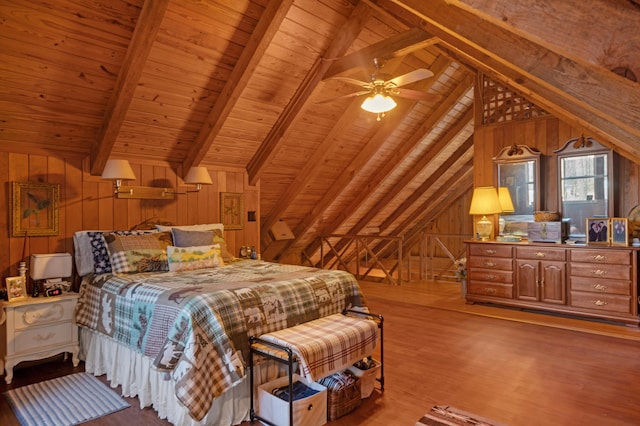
pixel 351 80
pixel 410 77
pixel 350 95
pixel 416 95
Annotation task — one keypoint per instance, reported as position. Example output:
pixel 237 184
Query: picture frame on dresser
pixel 619 231
pixel 598 230
pixel 16 288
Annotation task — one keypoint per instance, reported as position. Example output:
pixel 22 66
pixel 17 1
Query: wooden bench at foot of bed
pixel 321 347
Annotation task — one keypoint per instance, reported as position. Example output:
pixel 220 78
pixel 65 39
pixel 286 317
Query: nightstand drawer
pixel 34 339
pixel 40 314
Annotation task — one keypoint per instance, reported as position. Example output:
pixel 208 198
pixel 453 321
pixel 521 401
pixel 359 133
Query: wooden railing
pixel 437 255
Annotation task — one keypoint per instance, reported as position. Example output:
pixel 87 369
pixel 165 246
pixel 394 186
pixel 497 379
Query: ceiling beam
pixel 339 45
pixel 144 35
pixel 574 91
pixel 252 54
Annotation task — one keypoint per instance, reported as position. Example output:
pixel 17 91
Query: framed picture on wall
pixel 35 208
pixel 619 231
pixel 231 210
pixel 598 230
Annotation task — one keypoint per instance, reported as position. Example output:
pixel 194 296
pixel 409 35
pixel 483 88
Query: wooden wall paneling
pixel 5 219
pixel 18 172
pixel 55 174
pixel 72 202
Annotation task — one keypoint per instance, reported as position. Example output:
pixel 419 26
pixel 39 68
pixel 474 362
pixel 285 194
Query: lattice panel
pixel 501 104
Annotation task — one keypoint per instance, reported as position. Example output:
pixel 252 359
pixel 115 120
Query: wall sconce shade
pixel 118 170
pixel 45 266
pixel 485 201
pixel 506 202
pixel 378 103
pixel 198 176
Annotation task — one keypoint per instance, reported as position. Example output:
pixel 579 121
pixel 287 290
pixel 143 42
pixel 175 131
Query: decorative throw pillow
pixel 191 238
pixel 101 258
pixel 138 253
pixel 218 237
pixel 191 258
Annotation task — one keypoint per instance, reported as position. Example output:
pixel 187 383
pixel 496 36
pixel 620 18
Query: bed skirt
pixel 135 373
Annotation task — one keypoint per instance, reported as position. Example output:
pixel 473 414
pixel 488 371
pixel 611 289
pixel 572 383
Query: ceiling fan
pixel 380 88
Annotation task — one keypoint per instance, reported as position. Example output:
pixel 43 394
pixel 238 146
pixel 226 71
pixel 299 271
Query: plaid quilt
pixel 196 324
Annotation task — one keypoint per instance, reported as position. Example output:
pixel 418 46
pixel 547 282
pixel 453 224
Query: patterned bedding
pixel 195 325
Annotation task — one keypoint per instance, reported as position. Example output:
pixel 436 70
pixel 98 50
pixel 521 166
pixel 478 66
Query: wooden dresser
pixel 590 281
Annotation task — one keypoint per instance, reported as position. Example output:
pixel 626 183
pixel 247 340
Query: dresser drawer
pixel 486 250
pixel 479 288
pixel 618 257
pixel 37 338
pixel 601 302
pixel 598 285
pixel 490 263
pixel 539 253
pixel 493 276
pixel 40 314
pixel 611 272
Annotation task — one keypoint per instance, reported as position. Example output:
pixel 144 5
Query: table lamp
pixel 506 204
pixel 485 201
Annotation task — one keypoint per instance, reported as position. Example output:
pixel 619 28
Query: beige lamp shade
pixel 198 175
pixel 118 170
pixel 378 103
pixel 505 199
pixel 54 265
pixel 485 201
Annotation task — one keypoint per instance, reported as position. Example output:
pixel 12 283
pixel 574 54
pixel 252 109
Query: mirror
pixel 518 169
pixel 584 185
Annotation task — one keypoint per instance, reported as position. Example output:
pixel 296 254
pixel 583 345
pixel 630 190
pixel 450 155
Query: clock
pixel 243 251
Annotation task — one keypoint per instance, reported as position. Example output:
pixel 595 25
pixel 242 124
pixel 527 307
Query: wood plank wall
pixel 87 202
pixel 548 134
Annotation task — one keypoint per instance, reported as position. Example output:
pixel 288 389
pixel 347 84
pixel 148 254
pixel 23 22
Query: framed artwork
pixel 35 208
pixel 231 210
pixel 598 230
pixel 16 288
pixel 619 231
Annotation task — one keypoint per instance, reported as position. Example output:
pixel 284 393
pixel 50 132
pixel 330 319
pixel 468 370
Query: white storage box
pixel 310 411
pixel 367 378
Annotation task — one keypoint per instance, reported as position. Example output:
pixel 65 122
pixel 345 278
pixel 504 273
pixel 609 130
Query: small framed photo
pixel 16 288
pixel 619 231
pixel 598 230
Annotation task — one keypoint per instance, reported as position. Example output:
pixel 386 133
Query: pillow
pixel 99 251
pixel 138 253
pixel 191 238
pixel 218 237
pixel 191 258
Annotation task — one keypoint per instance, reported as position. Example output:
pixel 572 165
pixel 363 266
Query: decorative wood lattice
pixel 501 104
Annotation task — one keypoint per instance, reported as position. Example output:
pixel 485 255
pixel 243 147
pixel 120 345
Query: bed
pixel 168 318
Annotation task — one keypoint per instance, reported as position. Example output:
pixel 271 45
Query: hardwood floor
pixel 515 367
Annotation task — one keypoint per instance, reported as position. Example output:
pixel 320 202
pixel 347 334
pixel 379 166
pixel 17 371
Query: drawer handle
pixel 490 277
pixel 600 287
pixel 599 272
pixel 489 251
pixel 599 258
pixel 599 302
pixel 55 313
pixel 540 254
pixel 41 338
pixel 490 290
pixel 489 264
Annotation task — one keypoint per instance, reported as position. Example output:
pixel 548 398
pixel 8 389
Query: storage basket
pixel 547 216
pixel 367 377
pixel 343 394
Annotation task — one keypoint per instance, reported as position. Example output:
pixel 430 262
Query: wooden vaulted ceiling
pixel 246 83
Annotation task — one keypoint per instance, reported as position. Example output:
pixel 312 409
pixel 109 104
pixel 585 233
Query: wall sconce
pixel 117 171
pixel 197 176
pixel 485 201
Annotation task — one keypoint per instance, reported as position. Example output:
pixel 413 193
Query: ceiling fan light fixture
pixel 378 103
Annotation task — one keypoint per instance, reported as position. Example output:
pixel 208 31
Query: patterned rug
pixel 67 400
pixel 449 416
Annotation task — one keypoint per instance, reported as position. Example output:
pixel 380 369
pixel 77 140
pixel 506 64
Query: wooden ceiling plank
pixel 144 35
pixel 397 46
pixel 251 56
pixel 338 47
pixel 574 91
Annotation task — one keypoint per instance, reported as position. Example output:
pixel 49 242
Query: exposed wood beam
pixel 395 46
pixel 574 91
pixel 338 47
pixel 144 35
pixel 267 27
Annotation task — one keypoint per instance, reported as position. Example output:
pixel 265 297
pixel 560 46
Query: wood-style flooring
pixel 515 367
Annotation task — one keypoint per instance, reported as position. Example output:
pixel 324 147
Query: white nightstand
pixel 36 328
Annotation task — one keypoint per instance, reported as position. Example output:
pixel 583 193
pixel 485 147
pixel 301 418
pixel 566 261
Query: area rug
pixel 67 400
pixel 446 415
